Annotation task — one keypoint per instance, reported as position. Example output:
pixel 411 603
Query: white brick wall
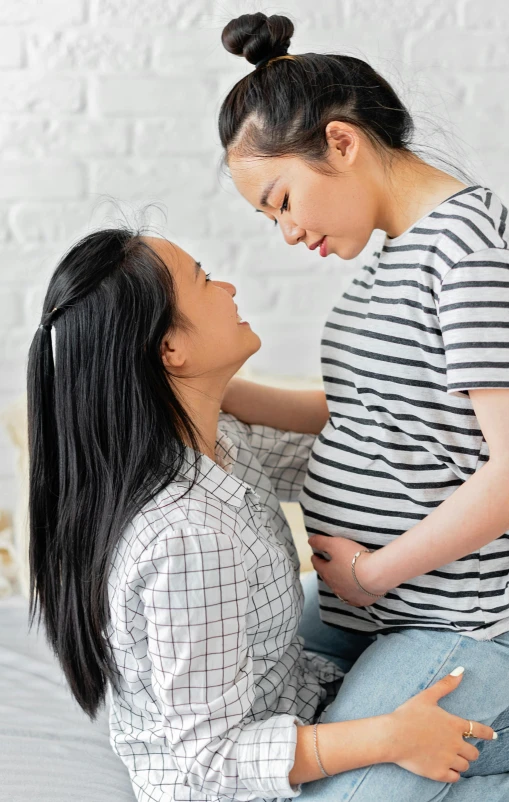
pixel 118 99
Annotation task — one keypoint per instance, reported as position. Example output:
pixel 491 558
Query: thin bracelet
pixel 315 744
pixel 367 592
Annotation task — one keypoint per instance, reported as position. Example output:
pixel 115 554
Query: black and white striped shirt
pixel 424 323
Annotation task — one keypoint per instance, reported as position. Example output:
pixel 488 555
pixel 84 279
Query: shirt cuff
pixel 266 754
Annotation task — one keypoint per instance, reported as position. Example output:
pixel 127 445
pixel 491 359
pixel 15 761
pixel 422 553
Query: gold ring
pixel 470 733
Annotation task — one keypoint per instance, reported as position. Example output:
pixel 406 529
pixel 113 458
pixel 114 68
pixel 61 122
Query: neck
pixel 410 189
pixel 202 401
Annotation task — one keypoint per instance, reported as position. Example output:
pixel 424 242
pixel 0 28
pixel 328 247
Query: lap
pixel 400 664
pixel 390 670
pixel 386 783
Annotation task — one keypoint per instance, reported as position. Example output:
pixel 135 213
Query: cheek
pixel 338 207
pixel 219 317
pixel 319 211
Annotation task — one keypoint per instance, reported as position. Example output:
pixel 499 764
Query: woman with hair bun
pixel 405 498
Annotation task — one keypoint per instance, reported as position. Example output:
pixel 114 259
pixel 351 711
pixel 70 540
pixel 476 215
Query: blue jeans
pixel 386 670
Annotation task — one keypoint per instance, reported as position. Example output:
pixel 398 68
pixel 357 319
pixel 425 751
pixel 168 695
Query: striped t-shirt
pixel 424 323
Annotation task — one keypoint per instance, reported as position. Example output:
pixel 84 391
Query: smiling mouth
pixel 316 244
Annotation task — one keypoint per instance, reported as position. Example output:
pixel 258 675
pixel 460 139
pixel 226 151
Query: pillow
pixel 50 751
pixel 14 418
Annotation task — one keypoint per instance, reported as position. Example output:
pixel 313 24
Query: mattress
pixel 50 751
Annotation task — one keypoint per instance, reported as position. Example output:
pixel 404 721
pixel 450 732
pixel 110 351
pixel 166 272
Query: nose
pixel 230 288
pixel 292 233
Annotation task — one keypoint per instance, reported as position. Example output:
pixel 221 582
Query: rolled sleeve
pixel 266 754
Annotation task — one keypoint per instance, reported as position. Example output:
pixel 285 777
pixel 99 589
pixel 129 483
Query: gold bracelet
pixel 367 592
pixel 315 744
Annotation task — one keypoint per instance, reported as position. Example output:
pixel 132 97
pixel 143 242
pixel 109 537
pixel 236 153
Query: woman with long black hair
pixel 161 564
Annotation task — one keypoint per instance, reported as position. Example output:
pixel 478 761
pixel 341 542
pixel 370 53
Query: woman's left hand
pixel 337 572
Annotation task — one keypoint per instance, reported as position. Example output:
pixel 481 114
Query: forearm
pixel 474 515
pixel 342 747
pixel 302 411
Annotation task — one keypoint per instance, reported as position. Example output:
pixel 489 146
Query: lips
pixel 316 244
pixel 239 319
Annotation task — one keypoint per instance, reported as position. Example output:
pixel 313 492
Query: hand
pixel 337 573
pixel 429 741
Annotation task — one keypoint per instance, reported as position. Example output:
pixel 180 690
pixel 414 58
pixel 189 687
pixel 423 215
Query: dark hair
pixel 283 107
pixel 106 432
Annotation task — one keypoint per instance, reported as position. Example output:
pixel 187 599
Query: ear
pixel 173 352
pixel 343 141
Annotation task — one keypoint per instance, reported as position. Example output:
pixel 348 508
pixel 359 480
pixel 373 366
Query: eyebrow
pixel 265 194
pixel 197 269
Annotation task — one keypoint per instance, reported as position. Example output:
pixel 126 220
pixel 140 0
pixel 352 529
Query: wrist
pixel 390 748
pixel 367 571
pixel 382 731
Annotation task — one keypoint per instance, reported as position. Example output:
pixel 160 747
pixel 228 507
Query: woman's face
pixel 329 213
pixel 217 341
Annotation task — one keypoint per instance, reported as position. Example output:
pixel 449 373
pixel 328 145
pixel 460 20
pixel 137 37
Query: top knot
pixel 257 37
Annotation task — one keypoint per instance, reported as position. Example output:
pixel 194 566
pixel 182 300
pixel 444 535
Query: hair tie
pixel 275 55
pixel 49 322
pixel 262 62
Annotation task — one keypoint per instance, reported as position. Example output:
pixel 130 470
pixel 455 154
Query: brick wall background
pixel 118 99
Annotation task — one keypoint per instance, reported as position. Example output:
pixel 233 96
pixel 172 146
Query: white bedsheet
pixel 49 750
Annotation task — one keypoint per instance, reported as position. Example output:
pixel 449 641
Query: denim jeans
pixel 386 670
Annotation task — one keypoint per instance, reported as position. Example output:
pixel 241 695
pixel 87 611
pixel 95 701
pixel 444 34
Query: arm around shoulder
pixel 303 411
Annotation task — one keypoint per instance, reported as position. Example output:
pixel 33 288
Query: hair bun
pixel 258 37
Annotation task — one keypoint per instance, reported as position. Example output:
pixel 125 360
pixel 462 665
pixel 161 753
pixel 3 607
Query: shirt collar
pixel 217 477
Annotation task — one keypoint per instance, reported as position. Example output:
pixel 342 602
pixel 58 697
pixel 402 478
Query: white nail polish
pixel 457 671
pixel 495 736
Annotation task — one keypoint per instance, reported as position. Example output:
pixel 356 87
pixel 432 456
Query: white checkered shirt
pixel 205 604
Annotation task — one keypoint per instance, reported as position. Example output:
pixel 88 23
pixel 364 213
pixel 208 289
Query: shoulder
pixel 178 511
pixel 471 221
pixel 486 270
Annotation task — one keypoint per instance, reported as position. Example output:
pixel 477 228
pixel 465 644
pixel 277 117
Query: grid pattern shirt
pixel 427 321
pixel 205 603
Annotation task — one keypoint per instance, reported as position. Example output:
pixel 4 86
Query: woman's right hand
pixel 428 741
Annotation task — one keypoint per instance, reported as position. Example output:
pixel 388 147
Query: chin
pixel 348 250
pixel 252 346
pixel 348 253
pixel 256 343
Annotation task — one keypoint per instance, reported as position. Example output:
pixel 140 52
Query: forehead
pixel 252 176
pixel 175 259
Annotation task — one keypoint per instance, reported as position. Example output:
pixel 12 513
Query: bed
pixel 50 751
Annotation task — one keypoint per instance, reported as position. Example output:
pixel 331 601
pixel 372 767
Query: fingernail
pixel 495 736
pixel 457 671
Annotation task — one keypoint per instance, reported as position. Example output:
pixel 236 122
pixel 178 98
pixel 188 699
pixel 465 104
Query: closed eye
pixel 262 212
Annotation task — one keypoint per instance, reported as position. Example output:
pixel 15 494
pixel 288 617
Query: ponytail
pixel 107 431
pixel 43 470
